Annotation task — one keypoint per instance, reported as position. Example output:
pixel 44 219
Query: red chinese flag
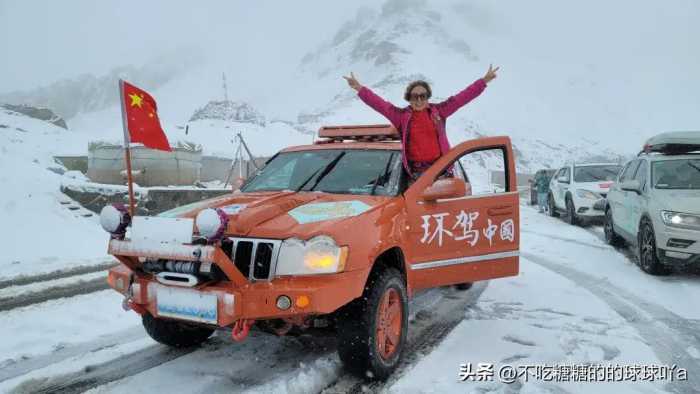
pixel 141 117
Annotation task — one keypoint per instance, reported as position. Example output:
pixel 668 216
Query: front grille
pixel 255 258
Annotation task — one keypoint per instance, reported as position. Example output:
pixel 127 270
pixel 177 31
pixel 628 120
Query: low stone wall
pixel 149 203
pixel 73 163
pixel 213 168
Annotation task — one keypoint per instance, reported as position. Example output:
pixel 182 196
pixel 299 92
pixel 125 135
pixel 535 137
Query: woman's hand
pixel 490 74
pixel 353 82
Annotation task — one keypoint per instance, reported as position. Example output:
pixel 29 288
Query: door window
pixel 483 170
pixel 565 175
pixel 629 171
pixel 641 175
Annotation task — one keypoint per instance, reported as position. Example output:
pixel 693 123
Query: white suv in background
pixel 579 190
pixel 655 204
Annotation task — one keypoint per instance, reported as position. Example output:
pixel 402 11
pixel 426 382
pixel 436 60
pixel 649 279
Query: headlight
pixel 588 194
pixel 319 255
pixel 682 220
pixel 115 219
pixel 212 223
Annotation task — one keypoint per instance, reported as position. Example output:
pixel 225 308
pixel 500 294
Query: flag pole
pixel 127 153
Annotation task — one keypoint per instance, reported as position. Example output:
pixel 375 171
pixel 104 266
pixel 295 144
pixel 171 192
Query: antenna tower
pixel 225 88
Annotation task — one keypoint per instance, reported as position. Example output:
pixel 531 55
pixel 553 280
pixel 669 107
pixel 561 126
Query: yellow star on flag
pixel 136 100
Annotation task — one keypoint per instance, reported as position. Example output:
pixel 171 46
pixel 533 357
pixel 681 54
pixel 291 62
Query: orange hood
pixel 281 215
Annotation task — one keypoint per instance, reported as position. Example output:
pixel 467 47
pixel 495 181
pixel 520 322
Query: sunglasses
pixel 419 96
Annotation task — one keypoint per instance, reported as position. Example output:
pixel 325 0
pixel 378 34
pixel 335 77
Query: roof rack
pixel 360 133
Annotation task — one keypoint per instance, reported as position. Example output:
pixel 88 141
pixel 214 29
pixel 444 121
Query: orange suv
pixel 329 234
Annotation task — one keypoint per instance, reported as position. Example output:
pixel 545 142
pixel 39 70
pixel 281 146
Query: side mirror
pixel 445 188
pixel 631 186
pixel 563 179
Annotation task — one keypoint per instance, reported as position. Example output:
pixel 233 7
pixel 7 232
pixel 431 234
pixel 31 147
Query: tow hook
pixel 241 329
pixel 128 302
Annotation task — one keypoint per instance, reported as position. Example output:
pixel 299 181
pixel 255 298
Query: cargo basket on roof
pixel 364 133
pixel 674 143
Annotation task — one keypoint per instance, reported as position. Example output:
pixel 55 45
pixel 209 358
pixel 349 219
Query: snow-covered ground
pixel 38 232
pixel 576 302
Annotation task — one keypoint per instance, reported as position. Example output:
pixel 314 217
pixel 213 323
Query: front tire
pixel 372 329
pixel 611 237
pixel 648 259
pixel 551 206
pixel 174 333
pixel 571 216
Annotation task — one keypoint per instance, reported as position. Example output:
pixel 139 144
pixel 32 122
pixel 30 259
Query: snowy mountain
pixel 44 114
pixel 89 93
pixel 409 40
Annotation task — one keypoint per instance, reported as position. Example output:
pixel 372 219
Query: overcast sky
pixel 42 41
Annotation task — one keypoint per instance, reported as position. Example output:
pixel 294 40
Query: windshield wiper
pixel 323 172
pixel 307 180
pixel 383 176
pixel 327 170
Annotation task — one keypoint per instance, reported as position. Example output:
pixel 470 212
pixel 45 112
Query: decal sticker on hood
pixel 317 212
pixel 233 208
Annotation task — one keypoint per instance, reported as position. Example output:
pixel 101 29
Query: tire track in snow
pixel 60 274
pixel 432 324
pixel 109 371
pixel 424 333
pixel 17 368
pixel 668 334
pixel 51 293
pixel 570 240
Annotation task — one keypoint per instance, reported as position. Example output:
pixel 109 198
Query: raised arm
pixel 390 111
pixel 453 103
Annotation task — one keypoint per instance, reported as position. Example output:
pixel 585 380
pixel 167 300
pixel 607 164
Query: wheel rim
pixel 647 245
pixel 389 319
pixel 608 226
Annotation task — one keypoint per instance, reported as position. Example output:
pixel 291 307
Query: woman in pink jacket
pixel 421 124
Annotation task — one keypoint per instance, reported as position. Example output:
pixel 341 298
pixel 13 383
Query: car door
pixel 563 183
pixel 621 202
pixel 614 197
pixel 635 201
pixel 469 237
pixel 554 185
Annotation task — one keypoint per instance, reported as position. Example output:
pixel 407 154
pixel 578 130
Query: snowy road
pixel 576 301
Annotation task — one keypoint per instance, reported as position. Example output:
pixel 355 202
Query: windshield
pixel 596 173
pixel 676 174
pixel 350 171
